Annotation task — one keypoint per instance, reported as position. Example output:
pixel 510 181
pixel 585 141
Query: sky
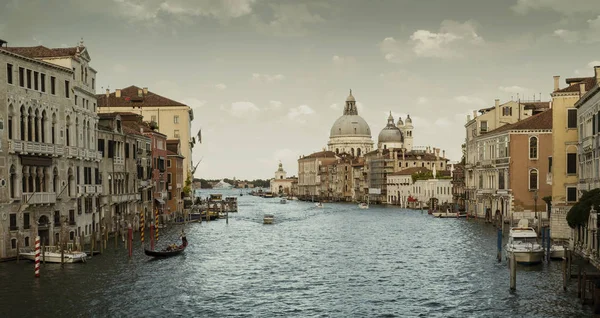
pixel 267 79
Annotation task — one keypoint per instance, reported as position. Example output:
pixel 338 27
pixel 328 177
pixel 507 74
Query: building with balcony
pixel 564 174
pixel 123 197
pixel 158 145
pixel 48 126
pixel 175 177
pixel 511 169
pixel 484 121
pixel 173 119
pixel 309 173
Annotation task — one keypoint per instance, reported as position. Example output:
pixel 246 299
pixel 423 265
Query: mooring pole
pixel 513 272
pixel 548 244
pixel 499 242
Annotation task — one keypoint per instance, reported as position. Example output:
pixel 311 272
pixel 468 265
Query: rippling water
pixel 339 261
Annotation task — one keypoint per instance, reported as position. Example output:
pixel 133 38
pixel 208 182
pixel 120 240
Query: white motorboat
pixel 448 214
pixel 282 201
pixel 557 252
pixel 53 255
pixel 319 205
pixel 363 205
pixel 522 243
pixel 268 219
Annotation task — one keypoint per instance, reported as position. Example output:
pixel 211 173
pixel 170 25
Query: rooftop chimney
pixel 474 114
pixel 443 153
pixel 145 90
pixel 437 153
pixel 107 93
pixel 597 72
pixel 581 89
pixel 497 103
pixel 468 118
pixel 556 80
pixel 140 92
pixel 118 93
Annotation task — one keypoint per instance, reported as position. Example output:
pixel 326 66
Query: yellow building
pixel 563 163
pixel 174 119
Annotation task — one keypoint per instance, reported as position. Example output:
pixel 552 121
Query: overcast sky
pixel 267 79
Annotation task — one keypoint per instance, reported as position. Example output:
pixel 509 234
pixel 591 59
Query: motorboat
pixel 319 205
pixel 557 252
pixel 282 201
pixel 268 219
pixel 448 214
pixel 269 195
pixel 53 255
pixel 363 205
pixel 522 243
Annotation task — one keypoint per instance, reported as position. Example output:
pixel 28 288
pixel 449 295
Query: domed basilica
pixel 351 134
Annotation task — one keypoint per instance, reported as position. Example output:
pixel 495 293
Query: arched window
pixel 533 179
pixel 533 148
pixel 358 152
pixel 13 181
pixel 337 151
pixel 55 180
pixel 352 151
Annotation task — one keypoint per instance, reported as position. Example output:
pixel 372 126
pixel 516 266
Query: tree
pixel 463 160
pixel 580 212
pixel 187 189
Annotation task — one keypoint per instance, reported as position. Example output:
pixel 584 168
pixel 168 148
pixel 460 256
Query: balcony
pixel 80 190
pixel 39 198
pixel 119 161
pixel 90 189
pixel 487 163
pixel 35 148
pixel 99 189
pixel 501 161
pixel 586 143
pixel 72 152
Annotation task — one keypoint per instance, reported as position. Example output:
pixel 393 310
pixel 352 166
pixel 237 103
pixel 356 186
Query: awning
pixel 161 201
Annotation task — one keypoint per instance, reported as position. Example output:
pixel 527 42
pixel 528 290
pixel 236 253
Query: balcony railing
pixel 118 161
pixel 501 161
pixel 90 189
pixel 80 189
pixel 99 189
pixel 32 147
pixel 72 151
pixel 586 144
pixel 39 198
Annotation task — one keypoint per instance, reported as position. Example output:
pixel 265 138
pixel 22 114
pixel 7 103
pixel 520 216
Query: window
pixel 483 127
pixel 507 111
pixel 501 180
pixel 76 98
pixel 572 118
pixel 21 77
pixel 26 223
pixel 481 181
pixel 169 163
pixel 53 85
pixel 176 133
pixel 169 194
pixel 571 194
pixel 126 150
pixel 550 164
pixel 29 79
pixel 71 217
pixel 67 90
pixel 43 82
pixel 9 77
pixel 571 163
pixel 35 80
pixel 533 147
pixel 533 179
pixel 93 83
pixel 176 119
pixel 13 222
pixel 594 124
pixel 169 177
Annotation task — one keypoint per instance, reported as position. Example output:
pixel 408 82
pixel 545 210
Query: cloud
pixel 560 6
pixel 343 60
pixel 588 70
pixel 289 19
pixel 443 122
pixel 422 100
pixel 452 40
pixel 274 104
pixel 241 109
pixel 334 106
pixel 221 86
pixel 267 78
pixel 155 10
pixel 590 34
pixel 299 113
pixel 471 100
pixel 512 89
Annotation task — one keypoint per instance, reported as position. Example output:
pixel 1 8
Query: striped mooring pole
pixel 156 224
pixel 142 226
pixel 37 256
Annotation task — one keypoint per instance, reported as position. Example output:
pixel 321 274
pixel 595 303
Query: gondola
pixel 168 252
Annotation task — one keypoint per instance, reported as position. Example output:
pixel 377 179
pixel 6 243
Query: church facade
pixel 281 184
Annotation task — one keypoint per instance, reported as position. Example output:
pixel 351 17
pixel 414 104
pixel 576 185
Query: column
pixel 38 128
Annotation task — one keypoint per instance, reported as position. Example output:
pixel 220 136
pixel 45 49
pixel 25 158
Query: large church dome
pixel 390 136
pixel 350 133
pixel 350 123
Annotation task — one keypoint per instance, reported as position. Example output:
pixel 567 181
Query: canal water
pixel 338 261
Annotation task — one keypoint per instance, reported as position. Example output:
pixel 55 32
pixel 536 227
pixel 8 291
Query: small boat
pixel 282 201
pixel 269 195
pixel 363 205
pixel 557 252
pixel 53 255
pixel 448 214
pixel 268 219
pixel 171 250
pixel 319 205
pixel 522 243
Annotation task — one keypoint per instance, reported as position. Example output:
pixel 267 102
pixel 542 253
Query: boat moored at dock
pixel 523 245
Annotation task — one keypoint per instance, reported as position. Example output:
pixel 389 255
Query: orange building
pixel 515 178
pixel 175 177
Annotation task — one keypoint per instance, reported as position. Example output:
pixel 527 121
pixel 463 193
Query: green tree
pixel 579 213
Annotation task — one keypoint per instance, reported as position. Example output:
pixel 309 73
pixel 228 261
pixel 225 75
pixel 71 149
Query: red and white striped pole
pixel 37 256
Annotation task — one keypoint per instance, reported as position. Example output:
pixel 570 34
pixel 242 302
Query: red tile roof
pixel 321 154
pixel 129 98
pixel 573 88
pixel 41 51
pixel 539 121
pixel 409 171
